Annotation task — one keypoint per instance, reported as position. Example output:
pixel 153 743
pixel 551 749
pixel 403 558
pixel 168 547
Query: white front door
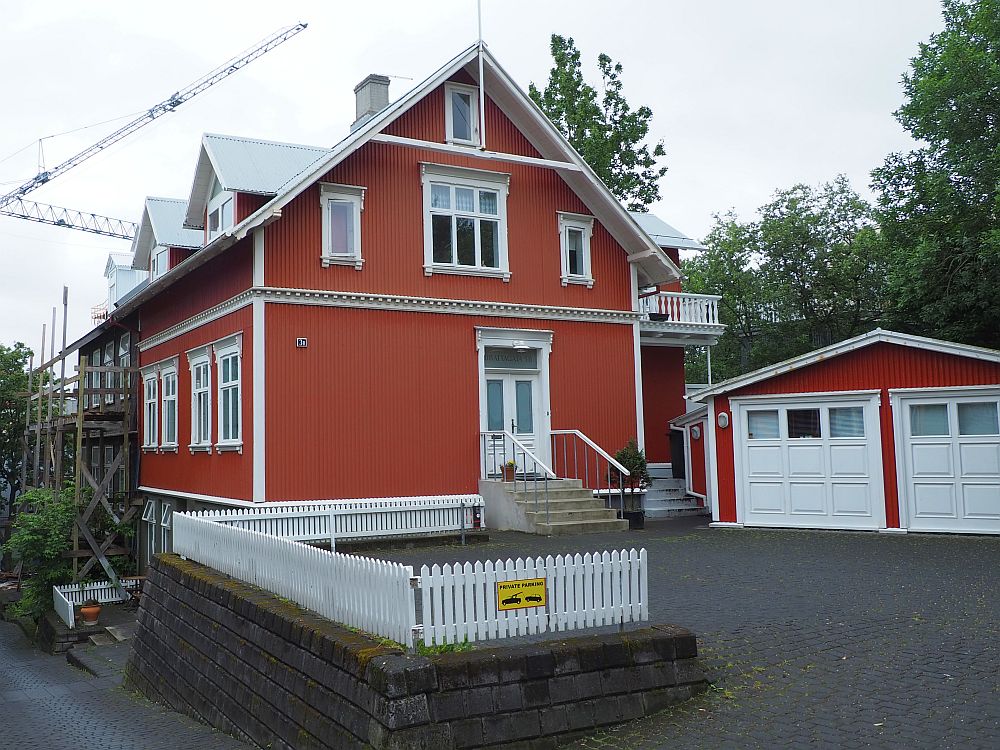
pixel 951 457
pixel 809 463
pixel 512 405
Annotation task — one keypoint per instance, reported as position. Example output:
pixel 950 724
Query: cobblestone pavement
pixel 811 639
pixel 46 703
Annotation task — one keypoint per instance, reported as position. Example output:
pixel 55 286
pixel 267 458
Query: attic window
pixel 220 210
pixel 461 114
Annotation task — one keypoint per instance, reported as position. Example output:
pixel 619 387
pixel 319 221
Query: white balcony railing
pixel 682 308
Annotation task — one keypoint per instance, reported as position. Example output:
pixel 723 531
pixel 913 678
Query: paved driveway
pixel 812 639
pixel 46 703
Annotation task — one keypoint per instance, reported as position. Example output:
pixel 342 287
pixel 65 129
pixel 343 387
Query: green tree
pixel 13 384
pixel 603 128
pixel 939 205
pixel 808 272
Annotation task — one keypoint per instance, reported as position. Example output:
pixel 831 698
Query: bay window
pixel 465 221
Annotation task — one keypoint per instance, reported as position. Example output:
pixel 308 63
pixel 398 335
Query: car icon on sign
pixel 532 598
pixel 516 599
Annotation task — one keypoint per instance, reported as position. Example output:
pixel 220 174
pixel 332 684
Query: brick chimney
pixel 372 96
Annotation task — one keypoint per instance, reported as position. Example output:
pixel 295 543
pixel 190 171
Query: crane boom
pixel 70 218
pixel 169 105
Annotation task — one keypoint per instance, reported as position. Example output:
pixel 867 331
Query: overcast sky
pixel 748 97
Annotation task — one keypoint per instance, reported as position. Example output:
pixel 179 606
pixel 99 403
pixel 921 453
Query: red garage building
pixel 884 431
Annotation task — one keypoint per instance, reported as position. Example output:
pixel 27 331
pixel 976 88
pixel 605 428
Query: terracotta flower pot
pixel 508 473
pixel 90 613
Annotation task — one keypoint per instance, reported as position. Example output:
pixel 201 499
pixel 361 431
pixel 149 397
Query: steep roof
pixel 653 264
pixel 117 260
pixel 843 347
pixel 664 234
pixel 246 165
pixel 162 224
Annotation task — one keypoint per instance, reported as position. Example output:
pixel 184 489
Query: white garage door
pixel 951 462
pixel 810 464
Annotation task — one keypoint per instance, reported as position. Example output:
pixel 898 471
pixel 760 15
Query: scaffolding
pixel 80 430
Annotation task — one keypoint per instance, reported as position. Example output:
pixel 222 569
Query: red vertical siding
pixel 227 474
pixel 425 121
pixel 216 281
pixel 387 403
pixel 878 366
pixel 393 237
pixel 177 254
pixel 698 481
pixel 246 204
pixel 662 397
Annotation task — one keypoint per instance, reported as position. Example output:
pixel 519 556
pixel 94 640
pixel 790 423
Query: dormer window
pixel 159 262
pixel 220 210
pixel 461 114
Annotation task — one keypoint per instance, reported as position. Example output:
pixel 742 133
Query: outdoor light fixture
pixel 723 420
pixel 696 432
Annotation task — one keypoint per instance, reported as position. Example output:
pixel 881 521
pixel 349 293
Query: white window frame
pixel 200 357
pixel 159 261
pixel 166 527
pixel 223 349
pixel 149 518
pixel 473 92
pixel 168 372
pixel 584 224
pixel 217 203
pixel 498 182
pixel 355 196
pixel 150 409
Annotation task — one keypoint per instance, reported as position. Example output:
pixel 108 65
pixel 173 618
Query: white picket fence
pixel 65 598
pixel 459 601
pixel 355 519
pixel 373 595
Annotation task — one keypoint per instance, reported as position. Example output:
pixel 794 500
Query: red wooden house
pixel 354 317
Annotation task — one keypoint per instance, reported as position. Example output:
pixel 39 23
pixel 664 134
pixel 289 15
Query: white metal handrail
pixel 598 449
pixel 487 437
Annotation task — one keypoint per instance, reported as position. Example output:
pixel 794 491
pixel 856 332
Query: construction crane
pixel 13 203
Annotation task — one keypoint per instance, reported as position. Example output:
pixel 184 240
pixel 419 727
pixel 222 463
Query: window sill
pixel 203 448
pixel 488 273
pixel 581 280
pixel 168 449
pixel 150 449
pixel 331 260
pixel 229 447
pixel 463 143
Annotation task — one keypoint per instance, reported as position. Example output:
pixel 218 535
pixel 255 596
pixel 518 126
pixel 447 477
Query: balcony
pixel 680 319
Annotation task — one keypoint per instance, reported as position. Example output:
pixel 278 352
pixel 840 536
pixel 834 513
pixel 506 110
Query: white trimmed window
pixel 465 221
pixel 168 389
pixel 166 527
pixel 342 206
pixel 159 262
pixel 221 205
pixel 228 355
pixel 461 114
pixel 152 537
pixel 201 400
pixel 150 410
pixel 575 231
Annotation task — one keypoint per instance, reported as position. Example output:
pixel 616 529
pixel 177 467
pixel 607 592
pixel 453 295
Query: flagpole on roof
pixel 482 84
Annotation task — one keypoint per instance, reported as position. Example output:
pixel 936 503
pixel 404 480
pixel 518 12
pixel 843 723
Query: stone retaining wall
pixel 262 669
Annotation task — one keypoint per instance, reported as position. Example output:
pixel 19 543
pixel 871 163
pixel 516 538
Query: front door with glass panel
pixel 513 405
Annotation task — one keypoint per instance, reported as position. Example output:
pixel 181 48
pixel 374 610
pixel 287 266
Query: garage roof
pixel 843 347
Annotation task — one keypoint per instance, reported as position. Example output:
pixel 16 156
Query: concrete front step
pixel 554 484
pixel 554 494
pixel 580 504
pixel 597 514
pixel 557 528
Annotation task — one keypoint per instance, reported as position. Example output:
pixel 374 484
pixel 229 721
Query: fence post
pixel 461 510
pixel 333 531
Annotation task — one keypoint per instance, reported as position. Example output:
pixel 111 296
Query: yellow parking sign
pixel 520 594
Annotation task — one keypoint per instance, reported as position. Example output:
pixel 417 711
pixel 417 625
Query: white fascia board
pixel 143 241
pixel 695 415
pixel 198 198
pixel 843 347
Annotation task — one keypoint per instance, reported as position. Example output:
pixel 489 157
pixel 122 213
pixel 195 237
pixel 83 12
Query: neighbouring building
pixel 882 432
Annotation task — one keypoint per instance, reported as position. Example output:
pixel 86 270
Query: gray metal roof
pixel 162 223
pixel 663 234
pixel 246 165
pixel 167 218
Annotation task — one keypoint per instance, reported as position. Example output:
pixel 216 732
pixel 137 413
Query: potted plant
pixel 507 469
pixel 634 459
pixel 90 610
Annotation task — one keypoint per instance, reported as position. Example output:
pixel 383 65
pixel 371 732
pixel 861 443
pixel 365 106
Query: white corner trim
pixel 711 452
pixel 640 417
pixel 259 403
pixel 258 257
